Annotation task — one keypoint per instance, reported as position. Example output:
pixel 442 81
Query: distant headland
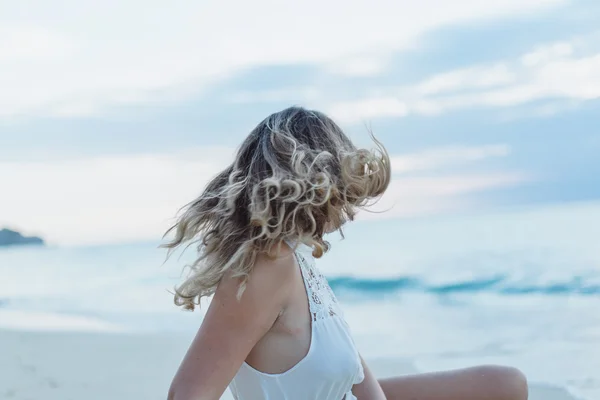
pixel 9 237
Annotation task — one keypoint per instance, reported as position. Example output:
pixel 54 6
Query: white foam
pixel 49 322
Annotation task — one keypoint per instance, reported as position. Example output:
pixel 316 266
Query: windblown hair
pixel 296 177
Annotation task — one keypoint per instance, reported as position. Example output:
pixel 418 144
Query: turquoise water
pixel 519 287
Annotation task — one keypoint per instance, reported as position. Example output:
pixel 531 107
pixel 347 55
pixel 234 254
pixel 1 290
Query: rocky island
pixel 9 237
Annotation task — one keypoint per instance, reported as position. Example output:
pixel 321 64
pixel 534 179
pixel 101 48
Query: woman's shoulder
pixel 270 279
pixel 277 270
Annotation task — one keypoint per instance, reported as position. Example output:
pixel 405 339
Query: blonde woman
pixel 274 329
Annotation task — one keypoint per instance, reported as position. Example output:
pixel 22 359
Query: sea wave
pixel 499 284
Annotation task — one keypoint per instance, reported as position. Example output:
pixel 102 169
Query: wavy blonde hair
pixel 296 177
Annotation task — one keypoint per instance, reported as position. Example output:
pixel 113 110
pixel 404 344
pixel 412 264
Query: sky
pixel 114 114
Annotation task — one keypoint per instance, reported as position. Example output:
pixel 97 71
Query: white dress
pixel 332 365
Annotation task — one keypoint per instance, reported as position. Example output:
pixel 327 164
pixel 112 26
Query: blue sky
pixel 114 114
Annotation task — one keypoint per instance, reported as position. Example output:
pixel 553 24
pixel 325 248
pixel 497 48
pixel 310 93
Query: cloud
pixel 546 54
pixel 104 199
pixel 23 43
pixel 446 157
pixel 363 66
pixel 410 196
pixel 79 58
pixel 274 95
pixel 568 71
pixel 135 197
pixel 369 108
pixel 414 197
pixel 467 78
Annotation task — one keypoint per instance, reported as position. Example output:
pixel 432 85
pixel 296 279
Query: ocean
pixel 518 286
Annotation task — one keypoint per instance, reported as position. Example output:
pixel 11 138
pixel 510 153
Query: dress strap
pixel 322 301
pixel 307 274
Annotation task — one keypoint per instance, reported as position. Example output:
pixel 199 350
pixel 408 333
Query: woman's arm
pixel 231 328
pixel 369 388
pixel 484 382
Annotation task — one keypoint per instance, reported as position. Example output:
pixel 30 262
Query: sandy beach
pixel 73 366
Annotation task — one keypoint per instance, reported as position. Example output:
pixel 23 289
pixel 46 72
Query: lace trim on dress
pixel 322 302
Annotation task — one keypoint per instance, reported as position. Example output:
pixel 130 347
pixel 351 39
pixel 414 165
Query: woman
pixel 274 329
